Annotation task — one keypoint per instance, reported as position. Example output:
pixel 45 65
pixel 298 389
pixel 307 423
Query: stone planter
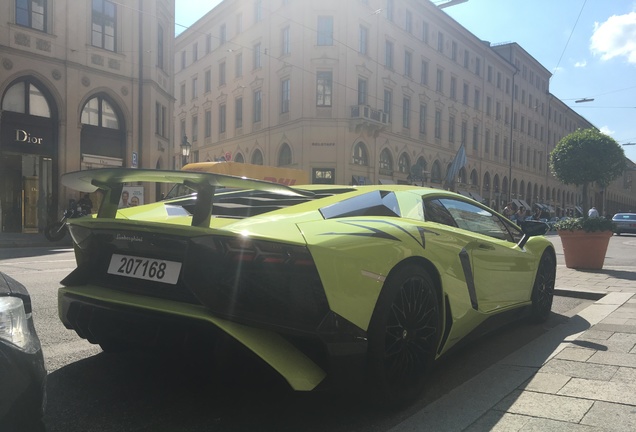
pixel 584 250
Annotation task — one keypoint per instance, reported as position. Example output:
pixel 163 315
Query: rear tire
pixel 55 231
pixel 543 289
pixel 403 337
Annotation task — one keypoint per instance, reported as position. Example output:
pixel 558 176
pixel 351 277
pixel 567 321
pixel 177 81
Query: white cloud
pixel 616 37
pixel 607 131
pixel 580 64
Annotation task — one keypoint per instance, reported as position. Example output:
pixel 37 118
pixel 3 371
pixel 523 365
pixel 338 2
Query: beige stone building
pixel 71 99
pixel 373 91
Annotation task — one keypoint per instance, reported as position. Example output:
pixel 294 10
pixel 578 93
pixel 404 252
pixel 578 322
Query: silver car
pixel 625 223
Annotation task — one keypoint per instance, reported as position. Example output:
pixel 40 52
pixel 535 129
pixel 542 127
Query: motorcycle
pixel 57 230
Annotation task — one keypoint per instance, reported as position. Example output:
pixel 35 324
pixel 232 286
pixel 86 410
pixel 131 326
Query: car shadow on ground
pixel 617 274
pixel 137 391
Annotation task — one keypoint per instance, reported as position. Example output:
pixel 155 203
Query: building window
pixel 436 172
pixel 423 119
pixel 360 155
pixel 104 24
pixel 477 99
pixel 323 89
pixel 183 59
pixel 388 54
pixel 466 59
pixel 386 162
pixel 222 34
pixel 31 13
pixel 182 128
pixel 325 30
pixel 238 66
pixel 408 64
pixel 424 73
pixel 451 129
pixel 477 66
pixel 439 86
pixel 284 95
pixel 195 52
pixel 99 112
pixel 408 21
pixel 406 113
pixel 195 90
pixel 208 123
pixel 454 51
pixel 438 124
pixel 257 157
pixel 496 144
pixel 465 94
pixel 160 119
pixel 285 42
pixel 222 117
pixel 388 102
pixel 182 97
pixel 487 141
pixel 404 164
pixel 160 47
pixel 425 32
pixel 284 155
pixel 222 73
pixel 453 88
pixel 195 128
pixel 363 42
pixel 389 10
pixel 238 113
pixel 258 97
pixel 208 43
pixel 440 42
pixel 488 106
pixel 258 10
pixel 239 23
pixel 362 91
pixel 464 132
pixel 207 84
pixel 475 138
pixel 257 56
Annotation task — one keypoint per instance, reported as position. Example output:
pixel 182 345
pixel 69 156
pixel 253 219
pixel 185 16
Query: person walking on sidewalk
pixel 593 213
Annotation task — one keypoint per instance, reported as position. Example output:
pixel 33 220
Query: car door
pixel 498 273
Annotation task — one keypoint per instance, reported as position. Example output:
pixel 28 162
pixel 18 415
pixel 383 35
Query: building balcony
pixel 373 121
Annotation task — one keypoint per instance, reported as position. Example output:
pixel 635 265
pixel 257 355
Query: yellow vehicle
pixel 284 176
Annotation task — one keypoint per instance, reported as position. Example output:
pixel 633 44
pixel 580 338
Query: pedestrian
pixel 593 213
pixel 86 204
pixel 510 210
pixel 521 215
pixel 537 214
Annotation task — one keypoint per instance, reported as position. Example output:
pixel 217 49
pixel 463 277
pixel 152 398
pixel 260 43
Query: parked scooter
pixel 57 230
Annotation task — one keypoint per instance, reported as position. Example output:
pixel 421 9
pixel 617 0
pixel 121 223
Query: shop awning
pixel 476 197
pixel 463 192
pixel 385 182
pixel 517 203
pixel 525 204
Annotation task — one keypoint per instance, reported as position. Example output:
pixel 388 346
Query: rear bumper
pixel 102 315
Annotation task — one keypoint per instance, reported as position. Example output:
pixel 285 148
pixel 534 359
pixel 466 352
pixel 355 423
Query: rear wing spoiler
pixel 111 181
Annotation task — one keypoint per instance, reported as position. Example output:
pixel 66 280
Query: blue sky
pixel 588 45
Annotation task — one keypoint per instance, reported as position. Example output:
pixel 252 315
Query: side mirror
pixel 532 228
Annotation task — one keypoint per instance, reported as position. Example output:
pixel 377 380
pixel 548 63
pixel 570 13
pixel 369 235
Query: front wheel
pixel 55 231
pixel 543 289
pixel 403 336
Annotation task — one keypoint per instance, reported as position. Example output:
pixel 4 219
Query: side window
pixel 434 211
pixel 478 220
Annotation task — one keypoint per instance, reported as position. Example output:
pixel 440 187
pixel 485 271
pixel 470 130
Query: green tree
pixel 586 156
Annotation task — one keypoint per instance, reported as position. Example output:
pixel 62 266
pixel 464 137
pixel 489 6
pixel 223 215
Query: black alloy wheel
pixel 55 231
pixel 543 290
pixel 403 336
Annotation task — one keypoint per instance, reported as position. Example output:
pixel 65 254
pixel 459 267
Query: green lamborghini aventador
pixel 322 283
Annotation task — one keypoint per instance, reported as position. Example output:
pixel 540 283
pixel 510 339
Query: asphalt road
pixel 89 390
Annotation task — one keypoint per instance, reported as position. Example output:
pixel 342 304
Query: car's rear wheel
pixel 403 336
pixel 543 290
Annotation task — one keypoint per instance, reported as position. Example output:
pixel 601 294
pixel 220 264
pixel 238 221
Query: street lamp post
pixel 185 150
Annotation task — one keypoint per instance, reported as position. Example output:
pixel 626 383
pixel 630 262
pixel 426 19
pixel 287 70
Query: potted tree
pixel 583 157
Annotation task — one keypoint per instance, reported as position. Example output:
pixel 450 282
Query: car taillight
pixel 254 280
